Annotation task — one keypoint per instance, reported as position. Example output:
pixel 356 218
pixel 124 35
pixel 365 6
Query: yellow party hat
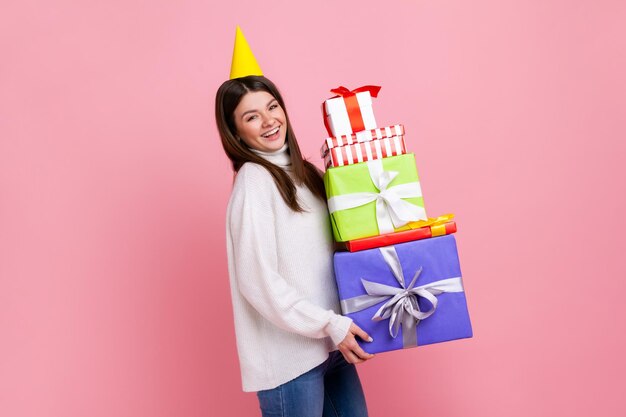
pixel 244 63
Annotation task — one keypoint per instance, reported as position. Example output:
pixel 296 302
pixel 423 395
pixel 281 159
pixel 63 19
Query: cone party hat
pixel 244 63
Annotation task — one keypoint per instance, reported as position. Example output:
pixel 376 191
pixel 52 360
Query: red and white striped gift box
pixel 362 136
pixel 365 151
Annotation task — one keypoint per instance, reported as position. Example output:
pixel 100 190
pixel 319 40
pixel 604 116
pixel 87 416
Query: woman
pixel 280 251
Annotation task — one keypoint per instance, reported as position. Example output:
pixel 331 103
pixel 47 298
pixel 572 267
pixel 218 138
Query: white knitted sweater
pixel 283 290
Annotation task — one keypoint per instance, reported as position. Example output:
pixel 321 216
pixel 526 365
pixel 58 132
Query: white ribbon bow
pixel 391 210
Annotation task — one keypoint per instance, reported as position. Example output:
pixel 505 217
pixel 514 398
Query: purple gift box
pixel 412 291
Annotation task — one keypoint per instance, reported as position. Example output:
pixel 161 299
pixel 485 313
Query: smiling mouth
pixel 271 133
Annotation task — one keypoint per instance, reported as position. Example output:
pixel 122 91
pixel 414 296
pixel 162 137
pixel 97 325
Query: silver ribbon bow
pixel 400 307
pixel 391 210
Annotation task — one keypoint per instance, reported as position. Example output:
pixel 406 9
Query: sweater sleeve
pixel 254 261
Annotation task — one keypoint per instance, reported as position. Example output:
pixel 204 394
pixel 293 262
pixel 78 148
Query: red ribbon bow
pixel 344 92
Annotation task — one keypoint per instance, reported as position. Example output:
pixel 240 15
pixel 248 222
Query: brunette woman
pixel 295 349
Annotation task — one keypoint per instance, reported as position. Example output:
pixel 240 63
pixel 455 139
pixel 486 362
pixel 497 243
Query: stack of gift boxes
pixel 398 276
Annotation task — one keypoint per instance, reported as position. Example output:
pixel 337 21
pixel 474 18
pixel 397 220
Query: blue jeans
pixel 331 389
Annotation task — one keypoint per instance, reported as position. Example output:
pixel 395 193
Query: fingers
pixel 360 332
pixel 352 351
pixel 350 357
pixel 361 353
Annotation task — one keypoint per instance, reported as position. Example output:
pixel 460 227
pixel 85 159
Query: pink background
pixel 114 297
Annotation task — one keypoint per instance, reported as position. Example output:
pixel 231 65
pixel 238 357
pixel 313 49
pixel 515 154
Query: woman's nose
pixel 268 120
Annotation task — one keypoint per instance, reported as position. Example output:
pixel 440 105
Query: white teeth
pixel 271 132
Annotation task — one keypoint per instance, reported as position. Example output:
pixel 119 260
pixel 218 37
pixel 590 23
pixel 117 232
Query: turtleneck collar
pixel 279 158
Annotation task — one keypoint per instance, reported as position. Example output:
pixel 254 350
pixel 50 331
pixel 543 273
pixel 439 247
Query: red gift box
pixel 388 239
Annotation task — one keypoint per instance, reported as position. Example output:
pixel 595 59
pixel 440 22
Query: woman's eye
pixel 273 106
pixel 250 118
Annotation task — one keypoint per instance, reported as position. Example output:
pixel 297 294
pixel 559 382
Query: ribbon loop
pixel 344 92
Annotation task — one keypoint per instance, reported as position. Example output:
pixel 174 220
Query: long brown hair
pixel 227 98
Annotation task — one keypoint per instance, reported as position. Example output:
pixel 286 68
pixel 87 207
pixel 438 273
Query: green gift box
pixel 373 198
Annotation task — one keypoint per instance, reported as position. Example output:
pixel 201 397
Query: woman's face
pixel 260 121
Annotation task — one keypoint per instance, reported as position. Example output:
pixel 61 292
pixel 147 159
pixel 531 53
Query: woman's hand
pixel 350 349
